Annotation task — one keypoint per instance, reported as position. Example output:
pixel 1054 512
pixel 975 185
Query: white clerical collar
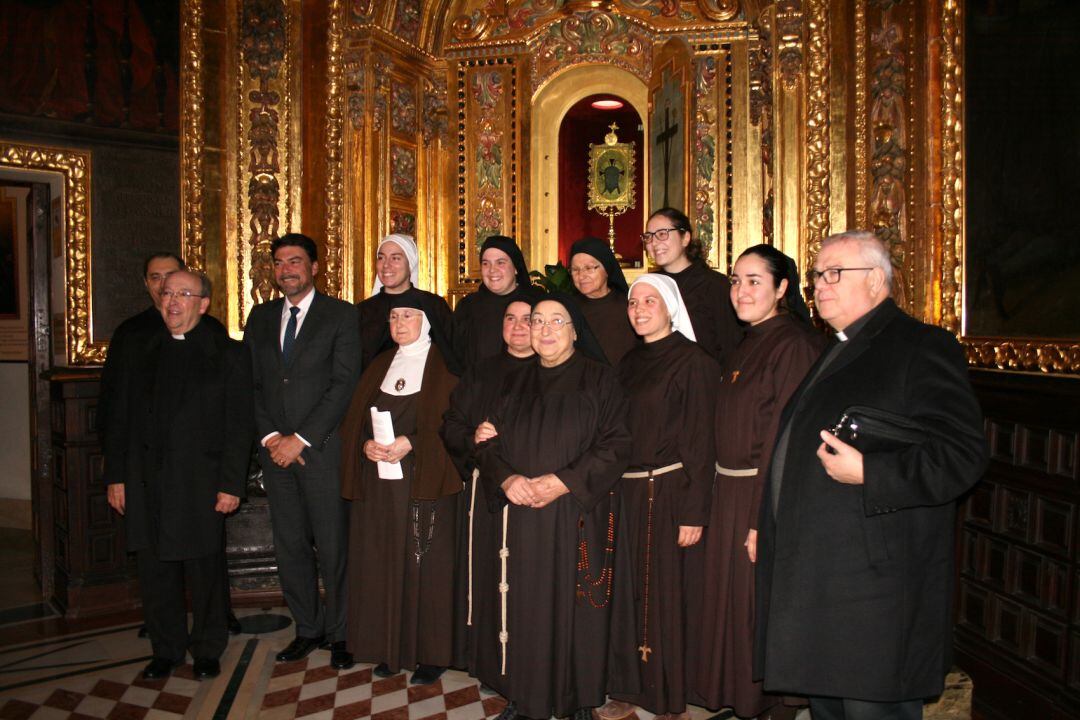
pixel 841 336
pixel 177 337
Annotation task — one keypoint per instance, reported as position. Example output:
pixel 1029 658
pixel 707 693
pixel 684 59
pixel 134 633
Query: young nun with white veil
pixel 664 503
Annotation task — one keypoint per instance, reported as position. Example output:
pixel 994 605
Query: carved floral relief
pixel 402 171
pixel 888 161
pixel 592 36
pixel 705 151
pixel 403 108
pixel 262 43
pixel 403 222
pixel 488 93
pixel 407 20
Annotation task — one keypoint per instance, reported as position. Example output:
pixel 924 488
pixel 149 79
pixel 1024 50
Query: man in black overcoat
pixel 178 451
pixel 856 551
pixel 305 350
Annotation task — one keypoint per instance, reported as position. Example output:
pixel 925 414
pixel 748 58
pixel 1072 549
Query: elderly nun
pixel 405 492
pixel 550 473
pixel 397 269
pixel 601 291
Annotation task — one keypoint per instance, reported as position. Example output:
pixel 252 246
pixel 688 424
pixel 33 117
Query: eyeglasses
pixel 556 323
pixel 179 294
pixel 831 276
pixel 659 235
pixel 583 269
pixel 404 316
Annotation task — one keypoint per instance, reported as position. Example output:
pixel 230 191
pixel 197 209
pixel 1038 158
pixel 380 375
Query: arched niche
pixel 550 104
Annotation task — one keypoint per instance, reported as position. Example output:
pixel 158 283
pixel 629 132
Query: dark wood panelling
pixel 92 569
pixel 1018 611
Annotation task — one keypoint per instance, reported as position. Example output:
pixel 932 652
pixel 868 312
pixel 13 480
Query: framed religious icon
pixel 612 179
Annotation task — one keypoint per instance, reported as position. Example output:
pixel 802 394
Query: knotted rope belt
pixel 651 475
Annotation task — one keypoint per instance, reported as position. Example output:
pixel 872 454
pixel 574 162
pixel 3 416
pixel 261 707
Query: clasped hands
pixel 285 450
pixel 392 453
pixel 534 492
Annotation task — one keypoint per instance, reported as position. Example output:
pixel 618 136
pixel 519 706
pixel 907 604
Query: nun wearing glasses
pixel 664 504
pixel 549 474
pixel 405 491
pixel 397 269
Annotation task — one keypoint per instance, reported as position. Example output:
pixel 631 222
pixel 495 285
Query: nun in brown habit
pixel 403 531
pixel 601 292
pixel 550 476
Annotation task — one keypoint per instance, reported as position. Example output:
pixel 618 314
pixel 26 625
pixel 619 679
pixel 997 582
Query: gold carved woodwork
pixel 335 265
pixel 265 151
pixel 817 124
pixel 192 136
pixel 74 167
pixel 802 140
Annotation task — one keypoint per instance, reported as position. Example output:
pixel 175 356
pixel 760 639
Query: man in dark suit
pixel 179 442
pixel 306 353
pixel 856 550
pixel 126 348
pixel 131 335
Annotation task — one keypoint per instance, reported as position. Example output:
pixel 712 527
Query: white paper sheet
pixel 383 429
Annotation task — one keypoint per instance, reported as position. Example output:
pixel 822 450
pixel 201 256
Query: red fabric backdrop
pixel 584 124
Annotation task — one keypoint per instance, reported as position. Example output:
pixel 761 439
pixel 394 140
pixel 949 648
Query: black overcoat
pixel 192 453
pixel 855 581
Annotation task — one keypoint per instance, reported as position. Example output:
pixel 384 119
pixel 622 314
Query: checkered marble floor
pixel 97 674
pixel 311 689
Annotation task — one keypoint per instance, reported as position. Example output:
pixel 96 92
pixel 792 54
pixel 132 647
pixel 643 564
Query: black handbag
pixel 870 429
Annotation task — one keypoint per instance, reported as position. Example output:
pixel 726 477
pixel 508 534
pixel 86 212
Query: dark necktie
pixel 290 334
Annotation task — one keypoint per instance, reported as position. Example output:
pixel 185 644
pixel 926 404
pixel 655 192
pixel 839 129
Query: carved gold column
pixel 192 134
pixel 264 145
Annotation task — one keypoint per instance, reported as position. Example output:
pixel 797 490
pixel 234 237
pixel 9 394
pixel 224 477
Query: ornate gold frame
pixel 74 166
pixel 1022 354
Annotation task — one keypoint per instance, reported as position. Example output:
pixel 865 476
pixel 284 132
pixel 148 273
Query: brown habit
pixel 671 384
pixel 758 380
pixel 401 607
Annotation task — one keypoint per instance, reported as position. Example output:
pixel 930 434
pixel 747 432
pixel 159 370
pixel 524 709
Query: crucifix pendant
pixel 644 649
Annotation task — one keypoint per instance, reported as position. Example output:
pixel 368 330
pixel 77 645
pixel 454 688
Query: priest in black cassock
pixel 187 424
pixel 467 423
pixel 405 493
pixel 550 474
pixel 664 503
pixel 601 292
pixel 478 317
pixel 672 246
pixel 397 269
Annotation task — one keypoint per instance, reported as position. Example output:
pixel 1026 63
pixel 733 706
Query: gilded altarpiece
pixel 808 117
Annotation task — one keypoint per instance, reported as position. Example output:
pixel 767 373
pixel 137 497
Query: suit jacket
pixel 308 396
pixel 855 581
pixel 173 464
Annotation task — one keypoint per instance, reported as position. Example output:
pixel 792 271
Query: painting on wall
pixel 668 137
pixel 1022 264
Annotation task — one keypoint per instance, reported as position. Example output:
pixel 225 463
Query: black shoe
pixel 340 658
pixel 298 649
pixel 426 674
pixel 158 668
pixel 509 712
pixel 206 668
pixel 383 670
pixel 234 625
